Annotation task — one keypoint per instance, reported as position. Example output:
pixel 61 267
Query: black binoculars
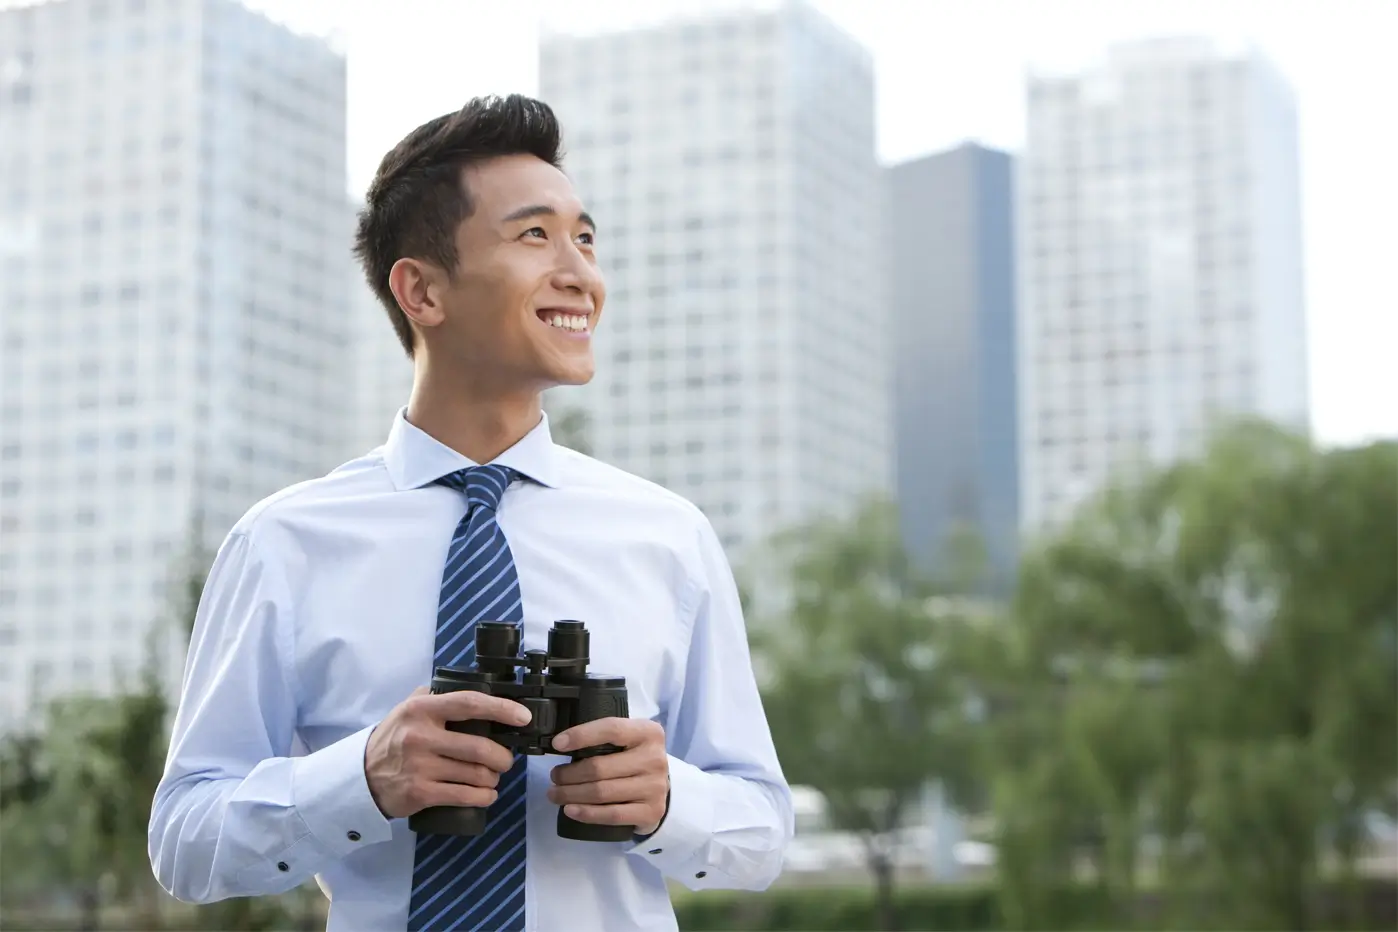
pixel 558 692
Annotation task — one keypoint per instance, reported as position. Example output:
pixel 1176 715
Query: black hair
pixel 418 198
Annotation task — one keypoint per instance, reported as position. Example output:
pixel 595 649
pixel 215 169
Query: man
pixel 305 736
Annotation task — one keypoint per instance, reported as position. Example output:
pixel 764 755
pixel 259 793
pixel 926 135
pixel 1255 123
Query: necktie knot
pixel 483 485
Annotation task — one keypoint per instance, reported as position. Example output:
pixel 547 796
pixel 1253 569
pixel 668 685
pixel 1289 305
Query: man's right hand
pixel 413 762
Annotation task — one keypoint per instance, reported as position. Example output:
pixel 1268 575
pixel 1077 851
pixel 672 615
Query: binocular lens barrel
pixel 568 640
pixel 497 647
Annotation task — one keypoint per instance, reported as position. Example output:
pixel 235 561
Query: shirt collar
pixel 415 458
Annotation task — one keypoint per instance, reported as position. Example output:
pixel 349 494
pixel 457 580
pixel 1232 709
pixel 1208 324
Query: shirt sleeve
pixel 730 815
pixel 235 814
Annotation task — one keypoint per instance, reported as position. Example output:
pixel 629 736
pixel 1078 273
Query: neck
pixel 476 421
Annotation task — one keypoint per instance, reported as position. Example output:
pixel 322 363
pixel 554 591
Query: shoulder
pixel 585 473
pixel 297 505
pixel 641 511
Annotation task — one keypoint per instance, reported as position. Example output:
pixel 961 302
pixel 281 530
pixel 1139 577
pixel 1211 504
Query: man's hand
pixel 625 788
pixel 412 762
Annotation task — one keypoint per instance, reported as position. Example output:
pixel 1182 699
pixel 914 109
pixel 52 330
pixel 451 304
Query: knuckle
pixel 414 740
pixel 410 737
pixel 476 796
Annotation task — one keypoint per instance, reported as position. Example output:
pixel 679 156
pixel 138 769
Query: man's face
pixel 527 294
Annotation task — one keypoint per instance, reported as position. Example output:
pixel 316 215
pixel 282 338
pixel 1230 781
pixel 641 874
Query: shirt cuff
pixel 686 828
pixel 331 794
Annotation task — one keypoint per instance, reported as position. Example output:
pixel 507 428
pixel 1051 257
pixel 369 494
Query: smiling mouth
pixel 567 321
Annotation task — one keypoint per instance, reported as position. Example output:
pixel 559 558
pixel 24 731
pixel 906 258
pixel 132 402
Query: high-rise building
pixel 173 271
pixel 730 163
pixel 1162 268
pixel 951 268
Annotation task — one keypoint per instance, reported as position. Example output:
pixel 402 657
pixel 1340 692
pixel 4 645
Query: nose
pixel 578 273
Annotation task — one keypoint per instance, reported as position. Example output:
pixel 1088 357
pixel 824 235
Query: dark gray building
pixel 950 228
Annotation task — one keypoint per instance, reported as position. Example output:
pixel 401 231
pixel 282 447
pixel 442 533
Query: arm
pixel 234 814
pixel 730 812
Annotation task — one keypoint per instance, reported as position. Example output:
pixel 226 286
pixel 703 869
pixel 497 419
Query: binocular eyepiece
pixel 558 691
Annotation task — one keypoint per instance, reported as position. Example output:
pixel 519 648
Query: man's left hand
pixel 626 788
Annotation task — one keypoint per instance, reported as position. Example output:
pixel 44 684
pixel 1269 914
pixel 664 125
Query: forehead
pixel 501 185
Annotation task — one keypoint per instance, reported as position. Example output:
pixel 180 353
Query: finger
pixel 465 705
pixel 625 814
pixel 459 794
pixel 616 766
pixel 624 732
pixel 472 749
pixel 629 790
pixel 446 770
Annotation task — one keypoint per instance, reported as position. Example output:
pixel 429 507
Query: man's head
pixel 473 239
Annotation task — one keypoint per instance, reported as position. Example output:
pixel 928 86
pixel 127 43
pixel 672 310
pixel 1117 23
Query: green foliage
pixel 75 797
pixel 572 427
pixel 854 706
pixel 842 908
pixel 1200 670
pixel 970 909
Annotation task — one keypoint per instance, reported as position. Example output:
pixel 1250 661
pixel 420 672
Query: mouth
pixel 569 321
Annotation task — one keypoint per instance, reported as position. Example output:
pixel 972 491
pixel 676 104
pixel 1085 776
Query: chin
pixel 571 375
pixel 575 378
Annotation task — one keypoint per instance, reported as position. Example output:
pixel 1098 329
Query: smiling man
pixel 305 737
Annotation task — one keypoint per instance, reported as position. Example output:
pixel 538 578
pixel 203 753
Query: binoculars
pixel 558 692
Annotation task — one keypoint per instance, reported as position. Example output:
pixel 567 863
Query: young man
pixel 305 736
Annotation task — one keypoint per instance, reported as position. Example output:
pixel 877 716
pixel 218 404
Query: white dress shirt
pixel 320 615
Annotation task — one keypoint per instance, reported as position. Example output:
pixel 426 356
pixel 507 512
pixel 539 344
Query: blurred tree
pixel 75 797
pixel 572 427
pixel 1201 666
pixel 855 708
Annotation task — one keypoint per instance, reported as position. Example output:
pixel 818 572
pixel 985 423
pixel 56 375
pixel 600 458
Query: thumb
pixel 421 691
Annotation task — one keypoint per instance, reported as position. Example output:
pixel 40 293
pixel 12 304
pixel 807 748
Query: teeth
pixel 575 322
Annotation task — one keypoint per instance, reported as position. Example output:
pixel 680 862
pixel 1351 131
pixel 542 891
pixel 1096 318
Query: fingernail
pixel 523 716
pixel 570 811
pixel 561 743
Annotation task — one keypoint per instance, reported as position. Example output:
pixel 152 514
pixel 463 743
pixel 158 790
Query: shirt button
pixel 701 875
pixel 352 835
pixel 656 850
pixel 283 866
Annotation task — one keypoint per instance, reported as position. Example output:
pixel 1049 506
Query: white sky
pixel 949 70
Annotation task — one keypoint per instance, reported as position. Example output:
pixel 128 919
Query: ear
pixel 419 287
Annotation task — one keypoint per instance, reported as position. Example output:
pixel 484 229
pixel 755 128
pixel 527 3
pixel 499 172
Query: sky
pixel 952 70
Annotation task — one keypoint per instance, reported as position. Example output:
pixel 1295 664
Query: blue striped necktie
pixel 475 883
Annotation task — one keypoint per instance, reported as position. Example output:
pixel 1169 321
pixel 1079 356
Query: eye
pixel 539 231
pixel 587 239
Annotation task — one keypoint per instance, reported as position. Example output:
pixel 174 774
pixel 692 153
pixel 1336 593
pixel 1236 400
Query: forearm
pixel 215 834
pixel 722 830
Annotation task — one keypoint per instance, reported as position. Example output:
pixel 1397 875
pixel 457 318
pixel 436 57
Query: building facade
pixel 174 255
pixel 951 255
pixel 1162 263
pixel 730 162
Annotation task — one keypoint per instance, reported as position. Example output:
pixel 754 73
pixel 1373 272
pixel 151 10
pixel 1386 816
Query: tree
pixel 75 798
pixel 572 427
pixel 856 709
pixel 1203 661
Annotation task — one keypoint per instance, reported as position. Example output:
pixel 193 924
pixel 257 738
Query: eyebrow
pixel 543 210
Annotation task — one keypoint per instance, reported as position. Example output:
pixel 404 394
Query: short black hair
pixel 418 198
